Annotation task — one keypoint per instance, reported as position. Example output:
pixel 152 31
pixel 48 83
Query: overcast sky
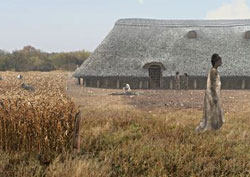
pixel 68 25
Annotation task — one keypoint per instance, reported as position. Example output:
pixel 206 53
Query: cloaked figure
pixel 186 81
pixel 177 81
pixel 127 89
pixel 213 116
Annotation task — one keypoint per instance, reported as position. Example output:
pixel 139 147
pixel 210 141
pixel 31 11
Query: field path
pixel 233 100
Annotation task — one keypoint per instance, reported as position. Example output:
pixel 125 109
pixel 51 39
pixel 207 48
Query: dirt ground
pixel 149 100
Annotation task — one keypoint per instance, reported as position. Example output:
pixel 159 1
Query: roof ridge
pixel 180 23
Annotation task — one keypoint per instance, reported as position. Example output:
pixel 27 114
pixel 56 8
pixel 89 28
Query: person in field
pixel 126 89
pixel 177 81
pixel 213 116
pixel 186 81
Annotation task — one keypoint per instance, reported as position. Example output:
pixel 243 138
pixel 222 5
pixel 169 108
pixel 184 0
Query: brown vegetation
pixel 39 122
pixel 147 135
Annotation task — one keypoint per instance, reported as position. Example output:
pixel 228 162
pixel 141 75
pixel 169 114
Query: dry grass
pixel 120 138
pixel 38 122
pixel 138 144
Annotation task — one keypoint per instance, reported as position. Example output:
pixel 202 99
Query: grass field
pixel 147 135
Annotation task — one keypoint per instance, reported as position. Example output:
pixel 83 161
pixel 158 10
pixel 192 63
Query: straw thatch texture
pixel 133 43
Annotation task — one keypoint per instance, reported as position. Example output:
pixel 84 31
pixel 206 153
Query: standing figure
pixel 213 116
pixel 186 81
pixel 177 81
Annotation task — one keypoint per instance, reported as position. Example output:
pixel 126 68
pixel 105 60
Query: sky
pixel 70 25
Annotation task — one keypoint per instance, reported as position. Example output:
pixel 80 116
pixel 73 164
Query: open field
pixel 151 134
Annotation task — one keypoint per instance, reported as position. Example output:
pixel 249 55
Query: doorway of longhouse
pixel 154 77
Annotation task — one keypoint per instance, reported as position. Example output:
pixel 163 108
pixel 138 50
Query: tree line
pixel 32 59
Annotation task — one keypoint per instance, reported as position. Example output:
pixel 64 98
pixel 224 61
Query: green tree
pixel 32 59
pixel 4 60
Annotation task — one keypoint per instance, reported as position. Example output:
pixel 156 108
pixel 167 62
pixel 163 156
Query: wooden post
pixel 79 80
pixel 195 84
pixel 76 138
pixel 106 83
pixel 161 83
pixel 147 84
pixel 98 84
pixel 84 83
pixel 243 85
pixel 118 84
pixel 140 85
pixel 171 84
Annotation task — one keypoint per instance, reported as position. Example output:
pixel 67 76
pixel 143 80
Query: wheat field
pixel 147 135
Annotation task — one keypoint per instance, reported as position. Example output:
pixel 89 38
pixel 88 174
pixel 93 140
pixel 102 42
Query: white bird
pixel 19 76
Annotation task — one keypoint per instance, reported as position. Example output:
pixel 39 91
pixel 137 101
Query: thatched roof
pixel 179 45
